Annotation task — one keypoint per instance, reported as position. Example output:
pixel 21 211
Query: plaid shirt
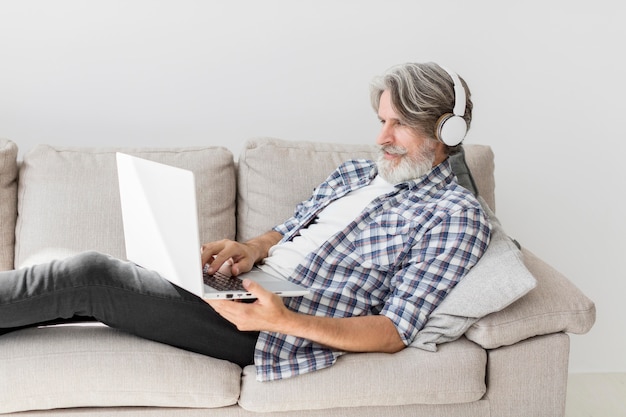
pixel 400 257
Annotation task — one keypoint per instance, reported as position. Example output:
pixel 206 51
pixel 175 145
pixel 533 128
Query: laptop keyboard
pixel 222 282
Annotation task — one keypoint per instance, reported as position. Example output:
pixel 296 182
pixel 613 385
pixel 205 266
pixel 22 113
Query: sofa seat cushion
pixel 96 366
pixel 8 202
pixel 453 374
pixel 68 198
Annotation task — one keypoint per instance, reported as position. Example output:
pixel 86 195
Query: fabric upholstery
pixel 68 199
pixel 66 204
pixel 75 366
pixel 480 160
pixel 529 378
pixel 475 409
pixel 274 175
pixel 497 280
pixel 8 202
pixel 554 305
pixel 461 170
pixel 456 374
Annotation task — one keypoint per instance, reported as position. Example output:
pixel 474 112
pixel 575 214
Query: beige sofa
pixel 58 201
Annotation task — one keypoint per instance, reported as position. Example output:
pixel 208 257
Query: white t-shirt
pixel 285 257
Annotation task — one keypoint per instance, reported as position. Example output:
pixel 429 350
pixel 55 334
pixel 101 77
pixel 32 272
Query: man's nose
pixel 385 137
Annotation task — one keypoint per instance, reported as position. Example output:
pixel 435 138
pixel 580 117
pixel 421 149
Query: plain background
pixel 547 80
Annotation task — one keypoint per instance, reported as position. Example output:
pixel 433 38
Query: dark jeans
pixel 121 295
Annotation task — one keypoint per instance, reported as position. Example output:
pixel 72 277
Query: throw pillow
pixel 555 305
pixel 462 171
pixel 497 280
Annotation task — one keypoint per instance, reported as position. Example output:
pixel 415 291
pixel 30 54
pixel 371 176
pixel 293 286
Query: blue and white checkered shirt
pixel 400 257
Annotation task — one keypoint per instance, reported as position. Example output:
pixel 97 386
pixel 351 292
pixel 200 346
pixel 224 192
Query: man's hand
pixel 243 256
pixel 240 256
pixel 267 313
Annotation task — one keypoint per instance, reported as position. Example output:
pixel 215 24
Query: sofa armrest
pixel 554 305
pixel 8 202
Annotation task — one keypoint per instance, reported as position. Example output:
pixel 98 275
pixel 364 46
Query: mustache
pixel 392 149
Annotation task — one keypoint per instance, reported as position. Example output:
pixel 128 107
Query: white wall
pixel 547 77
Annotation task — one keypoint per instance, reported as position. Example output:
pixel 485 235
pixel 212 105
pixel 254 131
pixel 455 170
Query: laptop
pixel 160 218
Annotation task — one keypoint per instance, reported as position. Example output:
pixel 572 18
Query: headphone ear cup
pixel 451 129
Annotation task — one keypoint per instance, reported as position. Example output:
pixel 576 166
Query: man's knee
pixel 92 264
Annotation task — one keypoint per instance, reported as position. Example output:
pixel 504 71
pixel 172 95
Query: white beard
pixel 407 167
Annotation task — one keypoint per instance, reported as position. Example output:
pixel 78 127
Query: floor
pixel 596 395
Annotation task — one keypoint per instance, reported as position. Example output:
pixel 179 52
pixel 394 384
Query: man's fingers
pixel 216 254
pixel 257 290
pixel 208 251
pixel 217 262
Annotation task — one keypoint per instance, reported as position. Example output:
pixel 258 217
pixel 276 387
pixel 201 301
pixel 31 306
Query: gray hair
pixel 420 94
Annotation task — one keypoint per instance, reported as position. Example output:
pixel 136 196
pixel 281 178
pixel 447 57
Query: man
pixel 379 245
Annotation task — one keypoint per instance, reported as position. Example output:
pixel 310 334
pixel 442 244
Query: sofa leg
pixel 529 378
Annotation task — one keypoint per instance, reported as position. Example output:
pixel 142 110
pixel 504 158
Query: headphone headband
pixel 459 93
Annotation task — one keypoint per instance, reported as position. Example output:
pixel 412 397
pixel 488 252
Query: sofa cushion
pixel 96 366
pixel 480 161
pixel 8 202
pixel 464 176
pixel 555 305
pixel 497 280
pixel 68 198
pixel 275 175
pixel 454 374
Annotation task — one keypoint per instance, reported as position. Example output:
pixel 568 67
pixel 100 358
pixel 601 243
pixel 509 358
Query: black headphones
pixel 451 127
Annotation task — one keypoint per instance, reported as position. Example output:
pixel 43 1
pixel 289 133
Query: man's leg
pixel 121 295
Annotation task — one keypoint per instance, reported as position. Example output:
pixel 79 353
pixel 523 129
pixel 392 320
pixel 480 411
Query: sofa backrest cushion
pixel 8 202
pixel 68 198
pixel 274 175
